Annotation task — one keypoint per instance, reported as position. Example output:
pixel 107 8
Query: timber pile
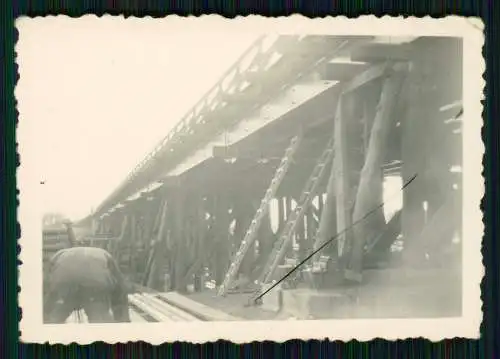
pixel 173 299
pixel 145 307
pixel 53 241
pixel 203 312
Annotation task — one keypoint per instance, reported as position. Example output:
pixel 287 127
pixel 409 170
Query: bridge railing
pixel 200 107
pixel 243 79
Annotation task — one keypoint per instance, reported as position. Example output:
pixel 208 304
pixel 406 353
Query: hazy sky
pixel 95 97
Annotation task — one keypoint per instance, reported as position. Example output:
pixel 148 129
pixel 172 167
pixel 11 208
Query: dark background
pixel 487 347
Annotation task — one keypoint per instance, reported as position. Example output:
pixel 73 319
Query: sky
pixel 96 96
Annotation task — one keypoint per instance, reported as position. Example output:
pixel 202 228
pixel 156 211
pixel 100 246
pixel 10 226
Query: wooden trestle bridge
pixel 287 151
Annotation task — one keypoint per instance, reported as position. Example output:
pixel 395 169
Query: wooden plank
pixel 169 309
pixel 199 310
pixel 136 317
pixel 135 299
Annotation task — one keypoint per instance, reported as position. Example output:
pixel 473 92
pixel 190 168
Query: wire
pixel 330 241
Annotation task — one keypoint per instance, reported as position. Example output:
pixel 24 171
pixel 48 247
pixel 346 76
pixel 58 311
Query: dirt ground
pixel 390 294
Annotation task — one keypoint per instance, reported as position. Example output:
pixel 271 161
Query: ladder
pixel 308 193
pixel 251 233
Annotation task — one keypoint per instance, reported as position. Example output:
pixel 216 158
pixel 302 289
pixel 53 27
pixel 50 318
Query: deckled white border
pixel 30 208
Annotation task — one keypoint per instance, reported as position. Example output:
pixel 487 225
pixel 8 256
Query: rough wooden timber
pixel 144 307
pixel 199 310
pixel 371 168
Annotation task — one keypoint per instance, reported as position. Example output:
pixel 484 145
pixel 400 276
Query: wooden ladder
pixel 285 237
pixel 263 210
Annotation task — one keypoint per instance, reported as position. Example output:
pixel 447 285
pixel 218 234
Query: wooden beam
pixel 327 227
pixel 244 213
pixel 157 255
pixel 377 52
pixel 340 179
pixel 178 264
pixel 367 76
pixel 370 182
pixel 372 73
pixel 202 248
pixel 221 236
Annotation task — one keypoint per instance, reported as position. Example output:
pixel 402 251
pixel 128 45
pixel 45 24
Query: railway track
pixel 146 307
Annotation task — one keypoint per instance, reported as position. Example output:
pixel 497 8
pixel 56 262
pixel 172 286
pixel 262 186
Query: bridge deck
pixel 246 100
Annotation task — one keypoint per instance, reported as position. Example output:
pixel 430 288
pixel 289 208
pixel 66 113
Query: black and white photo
pixel 300 178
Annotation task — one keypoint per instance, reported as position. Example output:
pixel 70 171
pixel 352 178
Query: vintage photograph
pixel 207 177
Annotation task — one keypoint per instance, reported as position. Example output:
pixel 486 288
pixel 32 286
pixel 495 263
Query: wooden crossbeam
pixel 372 73
pixel 376 52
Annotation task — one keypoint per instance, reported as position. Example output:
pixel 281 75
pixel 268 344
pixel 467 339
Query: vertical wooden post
pixel 301 238
pixel 124 228
pixel 289 211
pixel 369 186
pixel 340 179
pixel 201 245
pixel 311 225
pixel 328 214
pixel 158 250
pixel 132 241
pixel 178 245
pixel 115 246
pixel 221 238
pixel 265 239
pixel 244 212
pixel 149 219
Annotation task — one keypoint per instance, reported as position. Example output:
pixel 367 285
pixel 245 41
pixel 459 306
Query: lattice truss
pixel 273 65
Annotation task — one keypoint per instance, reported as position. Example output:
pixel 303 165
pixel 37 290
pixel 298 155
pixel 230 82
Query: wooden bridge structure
pixel 289 151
